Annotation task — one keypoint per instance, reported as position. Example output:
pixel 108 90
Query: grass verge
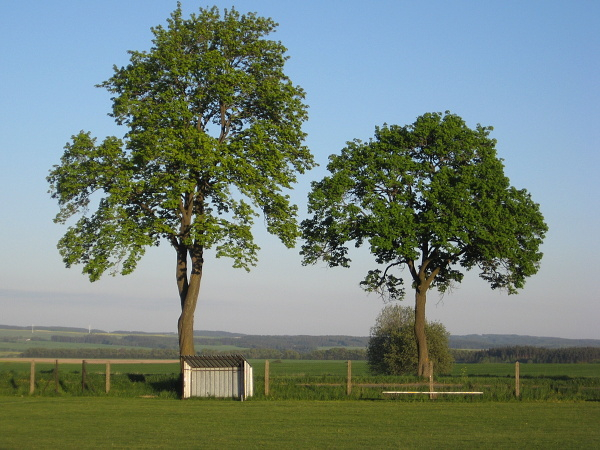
pixel 155 423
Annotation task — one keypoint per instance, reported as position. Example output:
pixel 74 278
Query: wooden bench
pixel 432 393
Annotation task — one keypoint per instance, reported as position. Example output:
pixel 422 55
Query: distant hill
pixel 300 343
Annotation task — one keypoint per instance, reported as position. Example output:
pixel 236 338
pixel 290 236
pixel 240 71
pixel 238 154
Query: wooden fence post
pixel 83 364
pixel 266 377
pixel 56 376
pixel 32 378
pixel 107 377
pixel 431 396
pixel 517 380
pixel 349 381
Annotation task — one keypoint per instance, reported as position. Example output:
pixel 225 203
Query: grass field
pixel 337 368
pixel 152 423
pixel 13 342
pixel 314 380
pixel 360 368
pixel 143 410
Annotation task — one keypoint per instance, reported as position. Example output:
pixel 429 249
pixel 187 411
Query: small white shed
pixel 217 376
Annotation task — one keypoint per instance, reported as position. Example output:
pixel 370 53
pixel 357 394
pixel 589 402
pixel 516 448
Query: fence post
pixel 431 396
pixel 266 377
pixel 32 378
pixel 107 377
pixel 349 381
pixel 83 363
pixel 56 376
pixel 517 380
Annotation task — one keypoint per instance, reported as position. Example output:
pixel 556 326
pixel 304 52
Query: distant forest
pixel 529 354
pixel 496 355
pixel 299 343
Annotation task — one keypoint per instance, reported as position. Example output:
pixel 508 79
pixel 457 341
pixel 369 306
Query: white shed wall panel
pixel 215 382
pixel 222 382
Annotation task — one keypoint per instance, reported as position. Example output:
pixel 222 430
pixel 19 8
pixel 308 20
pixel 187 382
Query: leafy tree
pixel 392 348
pixel 214 135
pixel 430 197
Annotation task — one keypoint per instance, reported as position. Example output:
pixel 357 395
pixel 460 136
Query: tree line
pixel 132 340
pixel 300 344
pixel 134 353
pixel 522 354
pixel 101 353
pixel 529 354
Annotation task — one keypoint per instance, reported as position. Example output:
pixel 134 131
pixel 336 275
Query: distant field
pixel 152 423
pixel 302 368
pixel 360 368
pixel 24 345
pixel 12 342
pixel 116 367
pixel 21 340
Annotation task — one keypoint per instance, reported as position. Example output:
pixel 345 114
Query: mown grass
pixel 154 423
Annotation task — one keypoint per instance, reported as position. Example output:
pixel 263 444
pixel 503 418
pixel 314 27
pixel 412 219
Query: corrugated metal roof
pixel 214 361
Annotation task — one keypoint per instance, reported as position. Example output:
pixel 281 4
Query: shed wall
pixel 222 382
pixel 209 382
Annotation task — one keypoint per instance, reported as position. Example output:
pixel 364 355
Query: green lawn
pixel 287 367
pixel 153 423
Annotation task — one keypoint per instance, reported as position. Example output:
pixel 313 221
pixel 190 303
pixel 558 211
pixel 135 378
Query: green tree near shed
pixel 392 348
pixel 430 198
pixel 214 137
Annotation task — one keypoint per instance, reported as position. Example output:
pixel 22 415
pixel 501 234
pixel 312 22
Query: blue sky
pixel 529 69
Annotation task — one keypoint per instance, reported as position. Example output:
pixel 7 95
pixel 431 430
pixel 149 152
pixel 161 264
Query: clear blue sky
pixel 530 69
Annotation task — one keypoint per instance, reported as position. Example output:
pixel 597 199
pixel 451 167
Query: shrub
pixel 392 347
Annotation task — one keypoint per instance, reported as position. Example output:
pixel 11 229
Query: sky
pixel 529 69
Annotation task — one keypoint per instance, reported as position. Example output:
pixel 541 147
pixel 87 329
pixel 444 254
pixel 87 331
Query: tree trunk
pixel 189 289
pixel 185 326
pixel 421 338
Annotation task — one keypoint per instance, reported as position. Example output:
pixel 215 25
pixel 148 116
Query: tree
pixel 430 197
pixel 392 348
pixel 214 134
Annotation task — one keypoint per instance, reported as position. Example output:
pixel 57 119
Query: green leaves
pixel 431 196
pixel 214 137
pixel 392 349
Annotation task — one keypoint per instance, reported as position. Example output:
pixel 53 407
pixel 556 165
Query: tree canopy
pixel 432 198
pixel 213 139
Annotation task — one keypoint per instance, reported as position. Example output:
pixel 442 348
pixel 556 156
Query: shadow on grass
pixel 168 385
pixel 136 377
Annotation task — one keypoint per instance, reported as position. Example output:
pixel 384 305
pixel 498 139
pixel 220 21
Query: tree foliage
pixel 431 198
pixel 529 354
pixel 392 347
pixel 214 137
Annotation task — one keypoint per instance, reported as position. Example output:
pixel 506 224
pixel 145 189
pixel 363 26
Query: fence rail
pixel 340 378
pixel 84 363
pixel 90 361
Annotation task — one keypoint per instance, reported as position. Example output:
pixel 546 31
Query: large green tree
pixel 431 198
pixel 213 138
